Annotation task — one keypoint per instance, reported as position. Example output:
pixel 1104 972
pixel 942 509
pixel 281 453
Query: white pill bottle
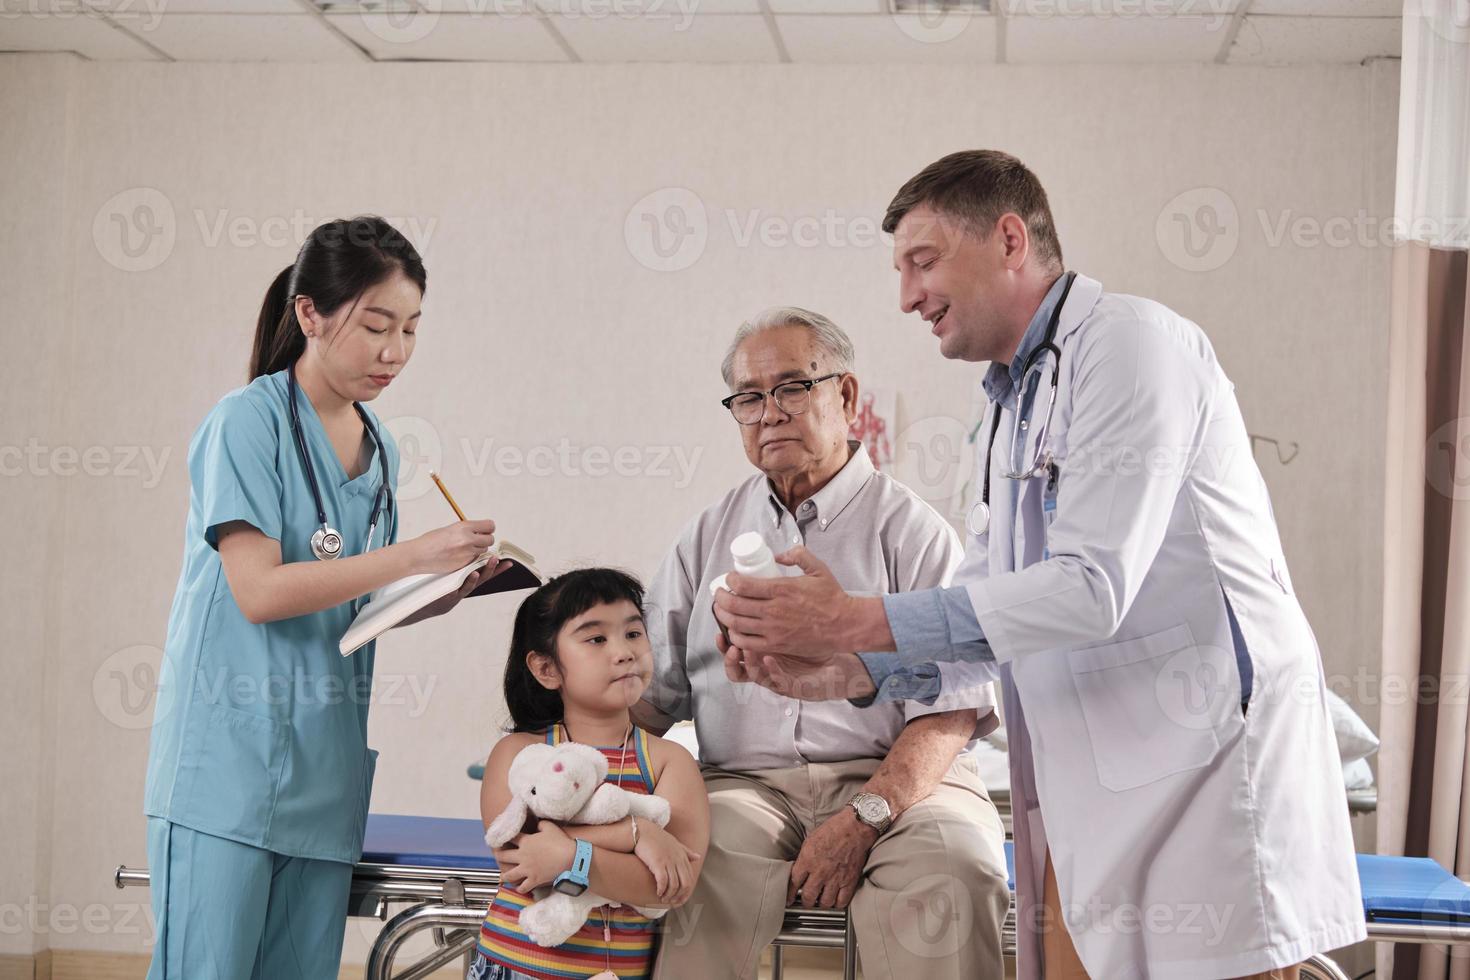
pixel 753 557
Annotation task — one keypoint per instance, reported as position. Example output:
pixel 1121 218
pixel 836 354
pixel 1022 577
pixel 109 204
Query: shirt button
pixel 788 712
pixel 824 524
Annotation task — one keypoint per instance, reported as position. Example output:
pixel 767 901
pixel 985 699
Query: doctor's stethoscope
pixel 1045 358
pixel 326 543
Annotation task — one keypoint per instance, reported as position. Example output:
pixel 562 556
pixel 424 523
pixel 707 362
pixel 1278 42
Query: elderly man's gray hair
pixel 826 335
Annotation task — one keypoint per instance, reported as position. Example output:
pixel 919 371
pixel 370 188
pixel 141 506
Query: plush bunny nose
pixel 556 767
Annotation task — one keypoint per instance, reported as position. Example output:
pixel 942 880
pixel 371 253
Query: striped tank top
pixel 586 954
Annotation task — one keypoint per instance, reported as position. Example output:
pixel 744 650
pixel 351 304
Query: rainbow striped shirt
pixel 586 954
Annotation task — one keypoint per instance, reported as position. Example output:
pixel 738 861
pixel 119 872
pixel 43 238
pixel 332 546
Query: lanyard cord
pixel 622 765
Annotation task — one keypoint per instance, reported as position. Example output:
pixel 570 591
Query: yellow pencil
pixel 445 490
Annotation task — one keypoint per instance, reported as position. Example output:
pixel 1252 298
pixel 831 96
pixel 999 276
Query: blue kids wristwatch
pixel 573 881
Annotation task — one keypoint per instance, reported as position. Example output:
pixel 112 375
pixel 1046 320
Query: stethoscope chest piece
pixel 326 543
pixel 977 521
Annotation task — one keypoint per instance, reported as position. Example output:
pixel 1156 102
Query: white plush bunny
pixel 565 783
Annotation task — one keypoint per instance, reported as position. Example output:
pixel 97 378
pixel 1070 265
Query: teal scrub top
pixel 260 730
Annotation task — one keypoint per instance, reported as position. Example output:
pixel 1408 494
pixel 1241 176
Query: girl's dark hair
pixel 337 263
pixel 533 708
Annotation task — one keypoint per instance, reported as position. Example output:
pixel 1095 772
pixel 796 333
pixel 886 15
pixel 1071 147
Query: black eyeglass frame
pixel 806 384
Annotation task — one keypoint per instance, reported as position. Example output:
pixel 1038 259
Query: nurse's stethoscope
pixel 1045 358
pixel 326 543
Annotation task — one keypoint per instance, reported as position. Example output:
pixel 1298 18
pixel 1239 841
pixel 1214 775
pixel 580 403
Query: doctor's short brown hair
pixel 977 187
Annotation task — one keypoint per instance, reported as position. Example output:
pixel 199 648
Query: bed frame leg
pixel 849 952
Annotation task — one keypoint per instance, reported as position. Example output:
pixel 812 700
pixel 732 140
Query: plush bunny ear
pixel 508 824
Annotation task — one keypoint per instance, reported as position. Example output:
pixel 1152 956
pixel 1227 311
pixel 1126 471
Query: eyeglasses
pixel 791 397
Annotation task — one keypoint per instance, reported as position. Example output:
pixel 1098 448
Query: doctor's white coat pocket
pixel 1154 705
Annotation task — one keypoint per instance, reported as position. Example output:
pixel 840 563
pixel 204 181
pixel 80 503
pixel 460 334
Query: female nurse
pixel 259 772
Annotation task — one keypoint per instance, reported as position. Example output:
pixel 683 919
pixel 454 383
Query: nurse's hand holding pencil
pixel 455 546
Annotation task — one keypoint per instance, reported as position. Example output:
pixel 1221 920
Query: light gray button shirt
pixel 877 537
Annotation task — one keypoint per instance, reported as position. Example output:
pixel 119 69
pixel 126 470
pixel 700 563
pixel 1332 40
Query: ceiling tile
pixel 205 6
pixel 1117 39
pixel 249 37
pixel 1118 8
pixel 1330 8
pixel 828 6
pixel 32 28
pixel 599 9
pixel 940 39
pixel 451 37
pixel 677 33
pixel 1315 40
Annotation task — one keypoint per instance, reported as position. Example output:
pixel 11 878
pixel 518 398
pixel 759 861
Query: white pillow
pixel 993 765
pixel 1357 775
pixel 1355 740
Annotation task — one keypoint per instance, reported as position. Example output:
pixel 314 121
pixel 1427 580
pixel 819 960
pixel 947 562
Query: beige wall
pixel 541 324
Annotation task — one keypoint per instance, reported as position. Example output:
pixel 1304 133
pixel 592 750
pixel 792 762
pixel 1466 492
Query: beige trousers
pixel 1060 956
pixel 930 904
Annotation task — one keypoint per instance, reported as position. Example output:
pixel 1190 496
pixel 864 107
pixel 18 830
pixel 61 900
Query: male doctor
pixel 1179 807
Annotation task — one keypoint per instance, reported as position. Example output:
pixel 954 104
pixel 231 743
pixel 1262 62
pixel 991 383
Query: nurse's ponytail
pixel 336 264
pixel 276 327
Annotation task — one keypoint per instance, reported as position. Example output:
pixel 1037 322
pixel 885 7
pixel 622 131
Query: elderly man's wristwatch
pixel 872 810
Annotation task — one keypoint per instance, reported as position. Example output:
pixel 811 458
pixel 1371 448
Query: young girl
pixel 579 658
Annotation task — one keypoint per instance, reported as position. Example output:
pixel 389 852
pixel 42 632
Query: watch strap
pixel 581 867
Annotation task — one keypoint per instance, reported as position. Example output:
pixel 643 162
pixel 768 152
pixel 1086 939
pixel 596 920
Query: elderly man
pixel 828 805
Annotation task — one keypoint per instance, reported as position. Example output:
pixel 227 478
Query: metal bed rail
pixel 450 904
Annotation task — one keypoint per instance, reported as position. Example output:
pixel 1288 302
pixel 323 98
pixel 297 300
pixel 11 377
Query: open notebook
pixel 396 601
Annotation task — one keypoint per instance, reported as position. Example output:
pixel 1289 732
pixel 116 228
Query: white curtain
pixel 1432 199
pixel 1424 766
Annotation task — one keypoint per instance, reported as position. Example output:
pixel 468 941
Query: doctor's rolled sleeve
pixel 928 626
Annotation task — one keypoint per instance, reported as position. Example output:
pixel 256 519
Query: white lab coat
pixel 1189 838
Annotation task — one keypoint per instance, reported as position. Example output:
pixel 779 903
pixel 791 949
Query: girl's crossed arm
pixel 660 871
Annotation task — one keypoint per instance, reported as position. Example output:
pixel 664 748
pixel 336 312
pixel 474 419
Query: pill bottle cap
pixel 748 547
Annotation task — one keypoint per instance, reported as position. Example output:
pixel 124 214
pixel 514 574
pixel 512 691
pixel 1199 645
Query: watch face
pixel 872 810
pixel 568 887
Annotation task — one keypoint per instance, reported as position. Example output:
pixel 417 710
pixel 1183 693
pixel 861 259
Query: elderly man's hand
pixel 806 616
pixel 831 862
pixel 831 678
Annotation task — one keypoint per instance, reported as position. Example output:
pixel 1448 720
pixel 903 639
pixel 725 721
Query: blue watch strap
pixel 581 867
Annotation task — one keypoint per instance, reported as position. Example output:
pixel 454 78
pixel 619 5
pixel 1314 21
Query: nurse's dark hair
pixel 976 187
pixel 336 264
pixel 534 708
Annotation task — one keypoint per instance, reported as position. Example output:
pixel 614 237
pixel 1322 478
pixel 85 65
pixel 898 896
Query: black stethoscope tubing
pixel 1047 344
pixel 383 497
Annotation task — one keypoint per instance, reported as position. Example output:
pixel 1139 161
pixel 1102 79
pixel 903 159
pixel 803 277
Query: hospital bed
pixel 443 876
